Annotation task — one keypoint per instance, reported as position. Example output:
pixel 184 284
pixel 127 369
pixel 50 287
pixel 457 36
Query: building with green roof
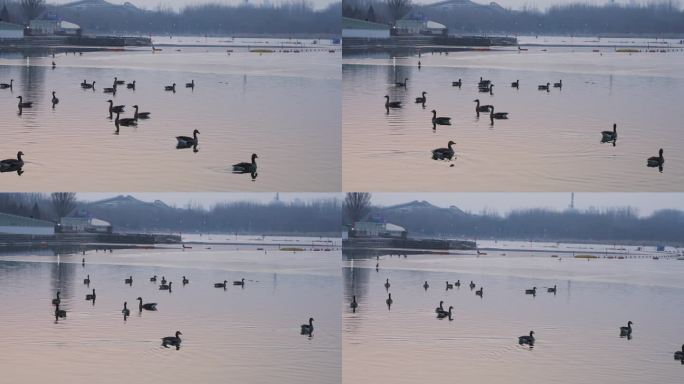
pixel 20 225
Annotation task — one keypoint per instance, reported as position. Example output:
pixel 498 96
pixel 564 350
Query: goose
pixel 387 284
pixel 10 164
pixel 55 100
pixel 440 120
pixel 147 306
pixel 422 99
pixel 440 308
pixel 679 355
pixel 118 82
pixel 54 65
pixel 240 282
pixel 457 283
pixel 221 285
pixel 400 84
pixel 115 108
pixel 191 84
pixel 497 115
pixel 449 286
pixel 59 313
pixel 609 135
pixel 129 281
pixel 163 280
pixel 91 296
pixel 131 85
pixel 172 340
pixel 544 87
pixel 529 340
pixel 125 310
pixel 479 292
pixel 559 84
pixel 515 84
pixel 56 300
pixel 354 304
pixel 6 85
pixel 185 281
pixel 489 88
pixel 482 108
pixel 426 285
pixel 551 290
pixel 444 314
pixel 391 104
pixel 308 328
pixel 389 300
pixel 165 287
pixel 483 82
pixel 22 104
pixel 246 167
pixel 626 331
pixel 656 161
pixel 185 140
pixel 153 279
pixel 170 87
pixel 472 285
pixel 140 115
pixel 86 281
pixel 532 291
pixel 126 122
pixel 109 90
pixel 457 83
pixel 85 85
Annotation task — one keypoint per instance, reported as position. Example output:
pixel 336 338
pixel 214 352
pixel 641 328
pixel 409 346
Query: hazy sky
pixel 541 4
pixel 646 203
pixel 151 4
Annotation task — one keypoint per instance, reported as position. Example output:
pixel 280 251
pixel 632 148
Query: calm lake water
pixel 249 335
pixel 551 141
pixel 285 107
pixel 577 330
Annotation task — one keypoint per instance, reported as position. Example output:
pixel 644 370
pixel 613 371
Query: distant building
pixel 50 25
pixel 11 31
pixel 20 225
pixel 356 28
pixel 80 221
pixel 378 229
pixel 416 24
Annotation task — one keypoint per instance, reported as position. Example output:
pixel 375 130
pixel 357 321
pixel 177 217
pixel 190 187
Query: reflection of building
pixel 82 221
pixel 364 29
pixel 378 229
pixel 50 25
pixel 11 31
pixel 415 24
pixel 20 225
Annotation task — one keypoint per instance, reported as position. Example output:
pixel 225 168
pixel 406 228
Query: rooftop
pixel 349 23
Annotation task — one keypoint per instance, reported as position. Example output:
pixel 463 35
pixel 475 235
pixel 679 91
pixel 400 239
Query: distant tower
pixel 572 201
pixel 277 197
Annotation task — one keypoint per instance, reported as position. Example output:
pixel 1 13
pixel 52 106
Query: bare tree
pixel 399 8
pixel 32 8
pixel 356 206
pixel 63 203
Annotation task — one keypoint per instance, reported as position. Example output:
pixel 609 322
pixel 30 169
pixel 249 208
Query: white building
pixel 85 224
pixel 356 28
pixel 11 31
pixel 20 225
pixel 50 25
pixel 378 229
pixel 419 25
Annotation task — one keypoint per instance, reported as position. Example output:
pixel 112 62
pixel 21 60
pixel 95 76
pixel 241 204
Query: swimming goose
pixel 389 300
pixel 559 84
pixel 126 122
pixel 220 285
pixel 489 88
pixel 129 281
pixel 400 84
pixel 440 308
pixel 86 281
pixel 457 283
pixel 307 329
pixel 147 306
pixel 125 310
pixel 59 313
pixel 91 297
pixel 679 355
pixel 426 285
pixel 163 280
pixel 185 281
pixel 387 284
pixel 444 314
pixel 170 87
pixel 482 108
pixel 22 104
pixel 240 282
pixel 57 300
pixel 532 291
pixel 246 167
pixel 191 84
pixel 131 85
pixel 109 90
pixel 483 82
pixel 11 164
pixel 153 279
pixel 140 115
pixel 391 104
pixel 449 286
pixel 5 85
pixel 626 331
pixel 115 108
pixel 165 287
pixel 85 85
pixel 440 120
pixel 118 82
pixel 656 161
pixel 55 100
pixel 515 84
pixel 457 83
pixel 354 304
pixel 479 291
pixel 172 340
pixel 185 140
pixel 421 99
pixel 609 135
pixel 529 340
pixel 472 285
pixel 544 87
pixel 497 115
pixel 551 290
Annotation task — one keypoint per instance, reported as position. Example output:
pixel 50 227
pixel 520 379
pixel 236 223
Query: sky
pixel 540 4
pixel 176 4
pixel 645 203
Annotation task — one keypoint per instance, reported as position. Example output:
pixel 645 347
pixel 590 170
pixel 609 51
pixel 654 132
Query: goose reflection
pixel 185 145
